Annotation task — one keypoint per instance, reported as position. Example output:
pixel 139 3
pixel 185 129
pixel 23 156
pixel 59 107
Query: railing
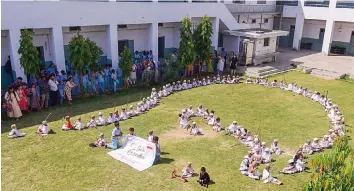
pixel 288 3
pixel 345 4
pixel 237 8
pixel 317 3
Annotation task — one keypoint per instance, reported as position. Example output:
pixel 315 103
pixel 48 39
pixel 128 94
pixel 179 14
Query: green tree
pixel 79 53
pixel 202 39
pixel 186 47
pixel 29 56
pixel 96 52
pixel 334 169
pixel 126 62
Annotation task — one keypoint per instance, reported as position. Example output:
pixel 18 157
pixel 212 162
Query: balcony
pixel 345 4
pixel 288 3
pixel 317 3
pixel 237 8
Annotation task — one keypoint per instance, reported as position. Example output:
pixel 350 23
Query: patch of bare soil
pixel 183 133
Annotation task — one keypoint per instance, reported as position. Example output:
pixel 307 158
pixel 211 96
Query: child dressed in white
pixel 267 176
pixel 101 141
pixel 211 119
pixel 43 129
pixel 190 111
pixel 195 130
pixel 123 114
pixel 275 147
pixel 200 111
pixel 93 122
pixel 266 156
pixel 14 133
pixel 101 120
pixel 150 136
pixel 79 125
pixel 132 112
pixel 187 171
pixel 232 128
pixel 217 125
pixel 189 85
pixel 183 120
pixel 249 80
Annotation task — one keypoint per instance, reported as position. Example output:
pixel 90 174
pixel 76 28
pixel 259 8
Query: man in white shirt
pixel 54 93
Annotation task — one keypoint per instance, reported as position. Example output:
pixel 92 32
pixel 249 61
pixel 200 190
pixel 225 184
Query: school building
pixel 140 25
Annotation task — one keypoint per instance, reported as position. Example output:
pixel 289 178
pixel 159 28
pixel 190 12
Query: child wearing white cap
pixel 43 129
pixel 307 148
pixel 325 144
pixel 101 141
pixel 79 125
pixel 123 114
pixel 195 130
pixel 300 164
pixel 232 128
pixel 246 163
pixel 266 156
pixel 275 147
pixel 190 111
pixel 249 80
pixel 316 145
pixel 290 168
pixel 93 122
pixel 132 112
pixel 183 120
pixel 267 176
pixel 217 125
pixel 153 93
pixel 101 120
pixel 14 133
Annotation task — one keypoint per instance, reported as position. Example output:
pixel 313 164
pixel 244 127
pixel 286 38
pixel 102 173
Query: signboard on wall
pixel 136 152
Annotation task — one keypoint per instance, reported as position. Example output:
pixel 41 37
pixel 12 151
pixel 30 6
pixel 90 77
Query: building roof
pixel 257 33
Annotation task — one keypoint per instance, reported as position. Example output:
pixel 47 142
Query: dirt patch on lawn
pixel 183 133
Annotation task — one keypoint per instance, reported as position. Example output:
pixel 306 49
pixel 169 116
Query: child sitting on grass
pixel 43 129
pixel 14 133
pixel 67 124
pixel 204 178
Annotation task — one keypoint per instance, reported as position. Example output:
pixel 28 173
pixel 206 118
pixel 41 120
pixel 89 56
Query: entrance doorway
pixel 161 47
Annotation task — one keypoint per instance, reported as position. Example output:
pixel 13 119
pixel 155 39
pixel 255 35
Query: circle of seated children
pixel 258 154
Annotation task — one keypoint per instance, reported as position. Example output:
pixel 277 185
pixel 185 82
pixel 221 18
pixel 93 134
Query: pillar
pixel 299 25
pixel 238 44
pixel 58 48
pixel 14 44
pixel 327 39
pixel 112 37
pixel 153 39
pixel 215 36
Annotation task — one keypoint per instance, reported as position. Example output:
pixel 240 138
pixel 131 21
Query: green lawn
pixel 64 161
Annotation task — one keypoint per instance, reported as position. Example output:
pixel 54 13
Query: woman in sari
pixel 12 99
pixel 68 86
pixel 22 94
pixel 35 105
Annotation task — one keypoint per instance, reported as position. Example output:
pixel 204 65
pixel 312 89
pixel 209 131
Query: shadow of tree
pixel 79 107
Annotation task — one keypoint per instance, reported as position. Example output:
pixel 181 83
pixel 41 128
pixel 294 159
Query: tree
pixel 202 39
pixel 186 47
pixel 79 53
pixel 126 62
pixel 96 52
pixel 334 169
pixel 29 56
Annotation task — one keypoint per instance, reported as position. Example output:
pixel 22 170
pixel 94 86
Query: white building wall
pixel 170 32
pixel 230 43
pixel 260 49
pixel 312 28
pixel 247 19
pixel 138 33
pixel 42 38
pixel 346 31
pixel 286 23
pixel 97 34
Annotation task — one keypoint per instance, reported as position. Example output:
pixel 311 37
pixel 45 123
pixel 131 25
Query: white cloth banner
pixel 136 152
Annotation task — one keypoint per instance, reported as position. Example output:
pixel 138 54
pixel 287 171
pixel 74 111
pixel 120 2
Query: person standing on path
pixel 54 93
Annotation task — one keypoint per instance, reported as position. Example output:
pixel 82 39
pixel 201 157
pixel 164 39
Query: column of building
pixel 58 47
pixel 14 44
pixel 327 39
pixel 112 38
pixel 215 36
pixel 299 26
pixel 153 36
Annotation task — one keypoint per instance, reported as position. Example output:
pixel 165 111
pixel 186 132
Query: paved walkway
pixel 309 59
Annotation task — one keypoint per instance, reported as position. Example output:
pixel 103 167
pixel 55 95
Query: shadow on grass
pixel 165 161
pixel 79 107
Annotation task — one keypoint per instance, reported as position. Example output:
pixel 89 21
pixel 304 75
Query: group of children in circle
pixel 258 153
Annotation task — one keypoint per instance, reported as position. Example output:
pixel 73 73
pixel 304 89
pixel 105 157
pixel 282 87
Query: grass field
pixel 64 161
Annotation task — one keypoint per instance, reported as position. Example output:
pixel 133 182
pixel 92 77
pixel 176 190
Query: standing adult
pixel 68 86
pixel 233 64
pixel 54 93
pixel 12 99
pixel 44 91
pixel 220 65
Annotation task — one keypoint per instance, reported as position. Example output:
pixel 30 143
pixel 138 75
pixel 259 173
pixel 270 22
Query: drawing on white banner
pixel 136 152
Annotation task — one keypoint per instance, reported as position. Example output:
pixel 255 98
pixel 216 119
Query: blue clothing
pixel 115 143
pixel 51 70
pixel 150 56
pixel 61 92
pixel 64 77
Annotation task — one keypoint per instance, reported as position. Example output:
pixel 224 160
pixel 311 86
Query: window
pixel 254 21
pixel 261 2
pixel 266 42
pixel 122 26
pixel 265 20
pixel 160 25
pixel 322 30
pixel 75 28
pixel 239 2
